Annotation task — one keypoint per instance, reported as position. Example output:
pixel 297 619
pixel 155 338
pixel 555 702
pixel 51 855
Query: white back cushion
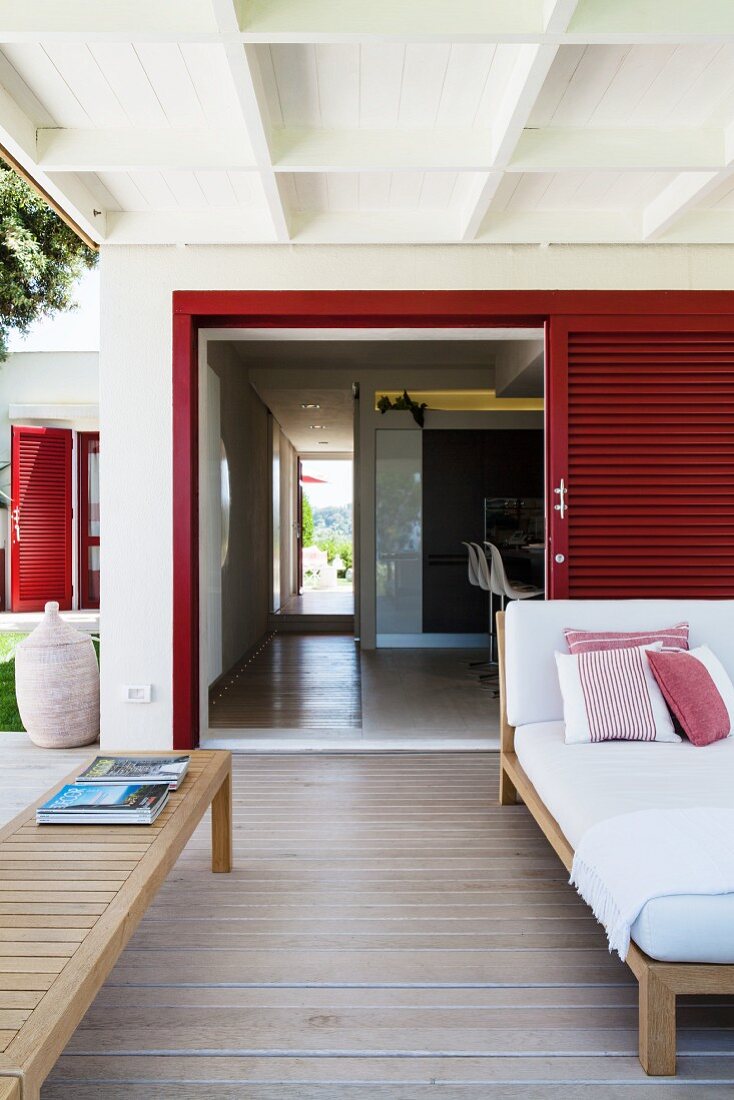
pixel 534 632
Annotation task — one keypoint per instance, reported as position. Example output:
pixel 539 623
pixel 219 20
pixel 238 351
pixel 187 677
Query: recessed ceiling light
pixel 315 427
pixel 310 405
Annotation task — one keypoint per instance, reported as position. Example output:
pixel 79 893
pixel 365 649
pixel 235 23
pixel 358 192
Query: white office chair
pixel 473 554
pixel 504 587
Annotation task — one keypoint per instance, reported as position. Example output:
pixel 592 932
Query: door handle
pixel 16 522
pixel 561 492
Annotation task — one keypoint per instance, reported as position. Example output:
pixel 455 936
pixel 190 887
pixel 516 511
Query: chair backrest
pixel 471 564
pixel 483 571
pixel 499 577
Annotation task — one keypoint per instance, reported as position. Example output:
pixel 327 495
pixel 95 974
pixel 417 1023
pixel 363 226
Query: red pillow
pixel 584 641
pixel 693 697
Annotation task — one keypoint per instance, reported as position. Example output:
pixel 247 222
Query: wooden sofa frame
pixel 659 982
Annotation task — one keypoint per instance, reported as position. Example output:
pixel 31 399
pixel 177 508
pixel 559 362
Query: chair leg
pixel 657 1025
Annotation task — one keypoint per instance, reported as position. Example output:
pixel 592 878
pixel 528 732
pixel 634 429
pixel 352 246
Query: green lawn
pixel 9 717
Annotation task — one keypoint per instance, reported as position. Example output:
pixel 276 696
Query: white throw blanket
pixel 623 862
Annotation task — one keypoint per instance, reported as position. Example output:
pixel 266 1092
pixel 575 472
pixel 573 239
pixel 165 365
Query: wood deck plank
pixel 380 905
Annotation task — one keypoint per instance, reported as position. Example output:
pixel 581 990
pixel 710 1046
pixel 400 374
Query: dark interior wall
pixel 246 573
pixel 460 469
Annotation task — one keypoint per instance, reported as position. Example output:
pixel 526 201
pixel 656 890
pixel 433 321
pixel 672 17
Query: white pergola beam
pixel 18 138
pixel 143 150
pixel 552 149
pixel 681 195
pixel 538 150
pixel 245 72
pixel 92 20
pixel 529 72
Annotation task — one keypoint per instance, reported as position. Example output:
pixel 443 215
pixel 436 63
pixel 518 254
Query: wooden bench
pixel 70 898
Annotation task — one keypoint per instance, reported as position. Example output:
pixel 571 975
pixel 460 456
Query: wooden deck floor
pixel 389 932
pixel 294 681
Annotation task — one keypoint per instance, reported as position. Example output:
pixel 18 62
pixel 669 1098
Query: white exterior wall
pixel 135 385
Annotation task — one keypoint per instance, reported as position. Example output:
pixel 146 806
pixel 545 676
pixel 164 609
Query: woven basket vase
pixel 57 684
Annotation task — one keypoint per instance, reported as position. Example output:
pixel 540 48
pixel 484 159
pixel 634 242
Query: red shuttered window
pixel 642 434
pixel 41 536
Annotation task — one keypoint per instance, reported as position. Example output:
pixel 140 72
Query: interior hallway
pixel 320 691
pixel 388 933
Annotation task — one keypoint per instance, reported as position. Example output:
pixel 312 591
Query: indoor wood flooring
pixel 389 933
pixel 293 682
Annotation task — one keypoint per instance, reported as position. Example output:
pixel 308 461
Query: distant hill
pixel 334 522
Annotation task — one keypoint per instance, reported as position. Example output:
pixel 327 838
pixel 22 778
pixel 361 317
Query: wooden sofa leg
pixel 508 790
pixel 657 1025
pixel 222 826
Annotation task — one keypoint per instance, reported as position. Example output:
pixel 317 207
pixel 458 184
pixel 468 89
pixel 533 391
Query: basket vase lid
pixel 52 631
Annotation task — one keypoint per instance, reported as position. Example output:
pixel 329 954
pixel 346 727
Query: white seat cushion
pixel 583 784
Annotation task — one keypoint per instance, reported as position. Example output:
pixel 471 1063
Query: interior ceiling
pixel 333 366
pixel 335 122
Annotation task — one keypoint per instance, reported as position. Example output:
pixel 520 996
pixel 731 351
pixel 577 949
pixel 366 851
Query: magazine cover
pixel 118 769
pixel 74 798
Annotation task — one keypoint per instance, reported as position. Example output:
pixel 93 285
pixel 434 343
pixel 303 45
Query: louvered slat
pixel 41 563
pixel 650 464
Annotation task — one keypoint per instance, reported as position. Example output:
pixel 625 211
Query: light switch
pixel 138 693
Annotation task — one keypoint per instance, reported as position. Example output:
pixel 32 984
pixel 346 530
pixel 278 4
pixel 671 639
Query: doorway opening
pixel 342 612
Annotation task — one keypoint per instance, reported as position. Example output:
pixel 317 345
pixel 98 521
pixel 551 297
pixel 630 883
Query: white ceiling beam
pixel 189 227
pixel 553 149
pixel 541 228
pixel 675 21
pixel 245 71
pixel 378 150
pixel 681 195
pixel 531 68
pixel 18 139
pixel 61 150
pixel 90 20
pixel 539 150
pixel 684 193
pixel 407 20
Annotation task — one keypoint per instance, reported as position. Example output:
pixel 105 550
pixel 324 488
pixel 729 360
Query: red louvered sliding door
pixel 641 457
pixel 41 537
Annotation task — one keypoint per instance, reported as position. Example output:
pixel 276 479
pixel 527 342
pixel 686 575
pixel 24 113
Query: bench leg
pixel 508 791
pixel 222 826
pixel 657 1026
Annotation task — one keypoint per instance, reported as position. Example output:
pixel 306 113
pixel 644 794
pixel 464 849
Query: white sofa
pixel 568 788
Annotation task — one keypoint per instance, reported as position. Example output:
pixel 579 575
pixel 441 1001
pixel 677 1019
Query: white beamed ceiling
pixel 309 121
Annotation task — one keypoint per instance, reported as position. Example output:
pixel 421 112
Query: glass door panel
pixel 89 523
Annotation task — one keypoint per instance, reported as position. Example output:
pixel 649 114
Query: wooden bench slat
pixel 71 897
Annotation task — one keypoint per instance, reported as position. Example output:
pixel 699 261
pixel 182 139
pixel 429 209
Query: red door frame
pixel 85 539
pixel 193 310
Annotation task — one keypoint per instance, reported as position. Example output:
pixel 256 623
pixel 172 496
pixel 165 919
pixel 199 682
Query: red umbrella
pixel 308 479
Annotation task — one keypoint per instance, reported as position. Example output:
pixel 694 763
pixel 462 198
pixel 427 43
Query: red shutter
pixel 642 433
pixel 41 567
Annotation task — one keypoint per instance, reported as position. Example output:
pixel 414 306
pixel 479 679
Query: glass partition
pixel 398 531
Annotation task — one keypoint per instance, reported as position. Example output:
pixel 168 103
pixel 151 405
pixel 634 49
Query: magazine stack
pixel 116 790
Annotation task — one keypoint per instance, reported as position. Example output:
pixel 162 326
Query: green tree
pixel 306 522
pixel 40 258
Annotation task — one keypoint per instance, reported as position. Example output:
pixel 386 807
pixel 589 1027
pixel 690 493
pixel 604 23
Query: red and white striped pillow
pixel 612 695
pixel 583 641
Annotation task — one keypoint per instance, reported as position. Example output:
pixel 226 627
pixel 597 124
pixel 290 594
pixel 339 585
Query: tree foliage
pixel 41 258
pixel 306 523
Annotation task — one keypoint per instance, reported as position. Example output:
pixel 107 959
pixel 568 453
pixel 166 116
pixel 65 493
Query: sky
pixel 77 330
pixel 338 475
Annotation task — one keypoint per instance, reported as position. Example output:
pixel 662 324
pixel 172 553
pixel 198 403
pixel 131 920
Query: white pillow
pixel 612 695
